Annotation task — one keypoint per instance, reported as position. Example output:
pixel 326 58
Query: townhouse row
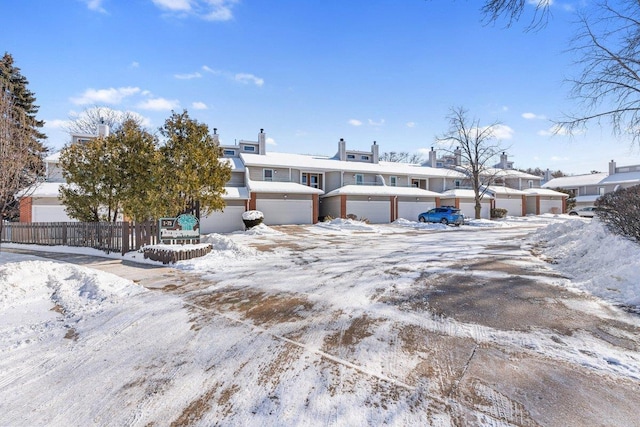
pixel 303 189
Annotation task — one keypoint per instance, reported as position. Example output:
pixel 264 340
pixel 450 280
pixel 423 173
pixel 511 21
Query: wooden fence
pixel 106 236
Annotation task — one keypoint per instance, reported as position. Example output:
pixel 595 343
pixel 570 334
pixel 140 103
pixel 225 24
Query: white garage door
pixel 513 206
pixel 283 212
pixel 223 221
pixel 49 213
pixel 469 210
pixel 411 210
pixel 377 212
pixel 550 206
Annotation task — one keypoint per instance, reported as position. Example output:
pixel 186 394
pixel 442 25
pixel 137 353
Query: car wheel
pixel 573 214
pixel 444 221
pixel 421 219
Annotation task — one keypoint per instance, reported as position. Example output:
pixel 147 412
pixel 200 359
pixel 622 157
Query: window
pixel 530 183
pixel 304 179
pixel 359 179
pixel 601 191
pixel 229 152
pixel 267 174
pixel 250 148
pixel 393 181
pixel 351 157
pixel 457 183
pixel 364 157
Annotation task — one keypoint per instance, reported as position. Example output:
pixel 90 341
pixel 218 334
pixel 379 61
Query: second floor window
pixel 364 157
pixel 229 152
pixel 267 174
pixel 249 148
pixel 359 179
pixel 393 181
pixel 457 183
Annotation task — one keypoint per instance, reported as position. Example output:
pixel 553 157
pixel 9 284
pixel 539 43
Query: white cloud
pixel 174 5
pixel 209 69
pixel 540 3
pixel 354 122
pixel 159 104
pixel 105 96
pixel 271 141
pixel 502 132
pixel 373 123
pixel 95 5
pixel 558 130
pixel 247 78
pixel 56 124
pixel 531 116
pixel 411 124
pixel 134 64
pixel 199 106
pixel 209 10
pixel 189 76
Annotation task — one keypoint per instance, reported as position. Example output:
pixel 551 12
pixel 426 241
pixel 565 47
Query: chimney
pixel 432 158
pixel 262 142
pixel 216 137
pixel 374 153
pixel 342 150
pixel 547 175
pixel 458 154
pixel 503 160
pixel 612 167
pixel 103 129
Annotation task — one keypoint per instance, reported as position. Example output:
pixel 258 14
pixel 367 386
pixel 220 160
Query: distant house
pixel 587 188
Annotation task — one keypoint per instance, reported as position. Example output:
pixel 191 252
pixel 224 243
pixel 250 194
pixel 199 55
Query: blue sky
pixel 309 72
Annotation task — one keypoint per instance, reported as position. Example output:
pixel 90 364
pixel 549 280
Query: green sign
pixel 184 227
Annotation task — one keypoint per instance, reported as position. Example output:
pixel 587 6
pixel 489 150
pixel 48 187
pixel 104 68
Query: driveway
pixel 463 327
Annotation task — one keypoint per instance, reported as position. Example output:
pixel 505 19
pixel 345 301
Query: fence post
pixel 125 237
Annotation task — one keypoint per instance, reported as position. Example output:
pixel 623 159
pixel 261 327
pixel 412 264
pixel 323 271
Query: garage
pixel 513 206
pixel 411 210
pixel 286 211
pixel 225 221
pixel 376 211
pixel 49 213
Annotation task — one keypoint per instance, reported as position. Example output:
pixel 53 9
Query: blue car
pixel 444 214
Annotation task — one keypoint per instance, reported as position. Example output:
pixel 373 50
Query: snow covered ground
pixel 523 321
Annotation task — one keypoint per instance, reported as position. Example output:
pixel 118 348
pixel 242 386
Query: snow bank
pixel 420 225
pixel 601 263
pixel 340 224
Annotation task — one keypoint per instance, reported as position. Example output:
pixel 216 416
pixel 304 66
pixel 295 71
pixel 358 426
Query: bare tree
pixel 608 51
pixel 478 148
pixel 512 10
pixel 20 165
pixel 87 122
pixel 402 157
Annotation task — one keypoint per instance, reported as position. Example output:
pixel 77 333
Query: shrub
pixel 620 211
pixel 498 213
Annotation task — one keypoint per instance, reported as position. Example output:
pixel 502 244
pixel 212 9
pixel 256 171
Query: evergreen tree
pixel 191 170
pixel 21 146
pixel 111 175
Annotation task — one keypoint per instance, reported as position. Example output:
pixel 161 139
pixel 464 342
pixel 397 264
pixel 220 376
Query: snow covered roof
pixel 235 163
pixel 575 180
pixel 236 193
pixel 42 189
pixel 463 193
pixel 503 173
pixel 323 163
pixel 281 187
pixel 53 158
pixel 505 191
pixel 381 190
pixel 622 178
pixel 543 192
